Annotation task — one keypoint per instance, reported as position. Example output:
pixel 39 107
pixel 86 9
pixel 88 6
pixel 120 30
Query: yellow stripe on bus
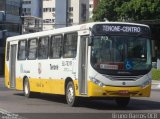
pixel 113 91
pixel 52 86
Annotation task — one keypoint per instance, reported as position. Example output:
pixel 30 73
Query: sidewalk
pixel 155 85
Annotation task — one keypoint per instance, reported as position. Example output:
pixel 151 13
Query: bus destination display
pixel 120 29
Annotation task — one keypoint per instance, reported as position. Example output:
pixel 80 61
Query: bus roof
pixel 66 30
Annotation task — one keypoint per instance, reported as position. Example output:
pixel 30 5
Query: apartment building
pixel 32 16
pixel 10 24
pixel 62 13
pixel 91 8
pixel 48 14
pixel 92 5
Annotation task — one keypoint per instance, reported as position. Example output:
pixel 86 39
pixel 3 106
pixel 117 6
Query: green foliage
pixel 139 10
pixel 115 10
pixel 155 74
pixel 107 9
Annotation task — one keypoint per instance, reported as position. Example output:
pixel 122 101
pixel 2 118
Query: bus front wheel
pixel 123 102
pixel 71 99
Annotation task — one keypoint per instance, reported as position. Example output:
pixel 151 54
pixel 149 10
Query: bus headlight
pixel 146 83
pixel 97 82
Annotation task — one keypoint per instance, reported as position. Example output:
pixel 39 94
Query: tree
pixel 118 10
pixel 107 9
pixel 139 10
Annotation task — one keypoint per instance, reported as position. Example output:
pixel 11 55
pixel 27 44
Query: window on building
pixel 70 20
pixel 53 9
pixel 70 45
pixel 70 9
pixel 26 2
pixel 47 21
pixel 83 12
pixel 12 27
pixel 43 48
pixel 26 11
pixel 50 9
pixel 32 49
pixel 44 10
pixel 12 9
pixel 91 6
pixel 22 52
pixel 53 20
pixel 2 5
pixel 56 46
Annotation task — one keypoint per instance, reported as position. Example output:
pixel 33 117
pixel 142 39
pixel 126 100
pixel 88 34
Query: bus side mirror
pixel 90 41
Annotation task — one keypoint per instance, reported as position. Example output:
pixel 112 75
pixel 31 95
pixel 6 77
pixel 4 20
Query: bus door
pixel 83 58
pixel 12 66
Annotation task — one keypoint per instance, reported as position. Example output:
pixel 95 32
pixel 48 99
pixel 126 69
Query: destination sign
pixel 134 29
pixel 121 29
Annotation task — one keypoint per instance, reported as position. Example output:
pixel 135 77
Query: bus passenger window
pixel 43 48
pixel 32 49
pixel 70 45
pixel 22 45
pixel 56 45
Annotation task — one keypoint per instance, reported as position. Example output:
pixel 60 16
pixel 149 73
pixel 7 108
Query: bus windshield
pixel 121 53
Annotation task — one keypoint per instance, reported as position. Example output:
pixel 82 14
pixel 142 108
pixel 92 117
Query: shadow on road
pixel 47 97
pixel 135 104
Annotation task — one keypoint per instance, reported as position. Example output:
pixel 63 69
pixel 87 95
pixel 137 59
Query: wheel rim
pixel 26 88
pixel 70 95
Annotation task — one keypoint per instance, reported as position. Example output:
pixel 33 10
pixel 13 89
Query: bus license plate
pixel 123 92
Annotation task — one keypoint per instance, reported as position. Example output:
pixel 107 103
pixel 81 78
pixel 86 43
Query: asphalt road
pixel 14 104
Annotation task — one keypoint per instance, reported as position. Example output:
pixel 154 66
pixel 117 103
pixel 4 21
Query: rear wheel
pixel 122 102
pixel 71 99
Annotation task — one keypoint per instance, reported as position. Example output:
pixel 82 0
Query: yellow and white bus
pixel 99 59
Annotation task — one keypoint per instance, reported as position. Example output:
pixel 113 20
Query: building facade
pixel 92 5
pixel 10 24
pixel 48 14
pixel 62 13
pixel 32 16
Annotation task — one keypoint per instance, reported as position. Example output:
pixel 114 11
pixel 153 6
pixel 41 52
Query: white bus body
pixel 68 65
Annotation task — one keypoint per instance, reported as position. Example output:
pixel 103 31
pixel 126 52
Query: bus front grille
pixel 123 78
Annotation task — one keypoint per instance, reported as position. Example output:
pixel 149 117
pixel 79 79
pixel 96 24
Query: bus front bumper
pixel 117 91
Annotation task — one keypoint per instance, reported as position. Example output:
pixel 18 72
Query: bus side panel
pixel 50 86
pixel 76 88
pixel 19 83
pixel 35 84
pixel 7 75
pixel 57 86
pixel 53 86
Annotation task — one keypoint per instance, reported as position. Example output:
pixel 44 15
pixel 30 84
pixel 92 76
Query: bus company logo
pixel 123 83
pixel 39 68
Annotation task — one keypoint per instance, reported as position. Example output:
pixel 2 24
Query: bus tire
pixel 122 102
pixel 71 99
pixel 26 88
